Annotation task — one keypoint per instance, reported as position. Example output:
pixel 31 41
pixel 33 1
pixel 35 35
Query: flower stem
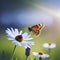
pixel 31 58
pixel 35 58
pixel 26 57
pixel 3 56
pixel 40 58
pixel 13 51
pixel 49 53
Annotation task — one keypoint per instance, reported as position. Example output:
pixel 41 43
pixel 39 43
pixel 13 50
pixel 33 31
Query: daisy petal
pixel 28 38
pixel 45 56
pixel 30 43
pixel 25 35
pixel 46 45
pixel 20 32
pixel 26 46
pixel 24 43
pixel 53 45
pixel 16 31
pixel 17 43
pixel 35 53
pixel 13 31
pixel 9 33
pixel 10 38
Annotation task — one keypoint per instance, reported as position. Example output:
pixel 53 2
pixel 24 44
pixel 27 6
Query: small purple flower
pixel 27 51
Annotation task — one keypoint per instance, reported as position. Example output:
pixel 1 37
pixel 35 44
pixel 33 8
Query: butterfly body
pixel 36 29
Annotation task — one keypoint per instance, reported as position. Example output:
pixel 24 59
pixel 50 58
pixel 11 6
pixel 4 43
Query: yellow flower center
pixel 41 53
pixel 19 38
pixel 49 43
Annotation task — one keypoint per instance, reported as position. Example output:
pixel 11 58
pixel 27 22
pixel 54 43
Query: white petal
pixel 13 31
pixel 20 32
pixel 53 45
pixel 35 53
pixel 16 32
pixel 9 33
pixel 39 55
pixel 26 46
pixel 8 30
pixel 17 43
pixel 30 43
pixel 46 45
pixel 45 56
pixel 25 35
pixel 23 43
pixel 10 38
pixel 27 38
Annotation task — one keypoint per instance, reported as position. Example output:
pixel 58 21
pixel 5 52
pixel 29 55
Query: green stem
pixel 31 58
pixel 34 58
pixel 49 53
pixel 13 51
pixel 40 58
pixel 26 57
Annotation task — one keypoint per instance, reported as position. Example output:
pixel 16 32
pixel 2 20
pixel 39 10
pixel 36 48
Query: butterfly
pixel 36 29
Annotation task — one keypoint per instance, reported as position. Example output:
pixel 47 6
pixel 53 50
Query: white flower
pixel 18 38
pixel 40 55
pixel 49 45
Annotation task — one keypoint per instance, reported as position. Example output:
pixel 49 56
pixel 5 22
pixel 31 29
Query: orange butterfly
pixel 36 29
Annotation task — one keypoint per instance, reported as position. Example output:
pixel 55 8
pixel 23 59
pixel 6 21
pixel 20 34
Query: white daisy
pixel 40 55
pixel 18 38
pixel 49 45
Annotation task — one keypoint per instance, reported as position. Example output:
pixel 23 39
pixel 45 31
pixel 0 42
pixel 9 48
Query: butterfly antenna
pixel 30 29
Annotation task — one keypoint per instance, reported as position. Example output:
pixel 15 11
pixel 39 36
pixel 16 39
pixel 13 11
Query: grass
pixel 6 47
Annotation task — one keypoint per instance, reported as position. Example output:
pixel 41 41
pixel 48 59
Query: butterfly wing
pixel 35 30
pixel 41 26
pixel 35 27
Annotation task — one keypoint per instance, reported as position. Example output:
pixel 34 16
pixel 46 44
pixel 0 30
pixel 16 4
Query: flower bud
pixel 27 51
